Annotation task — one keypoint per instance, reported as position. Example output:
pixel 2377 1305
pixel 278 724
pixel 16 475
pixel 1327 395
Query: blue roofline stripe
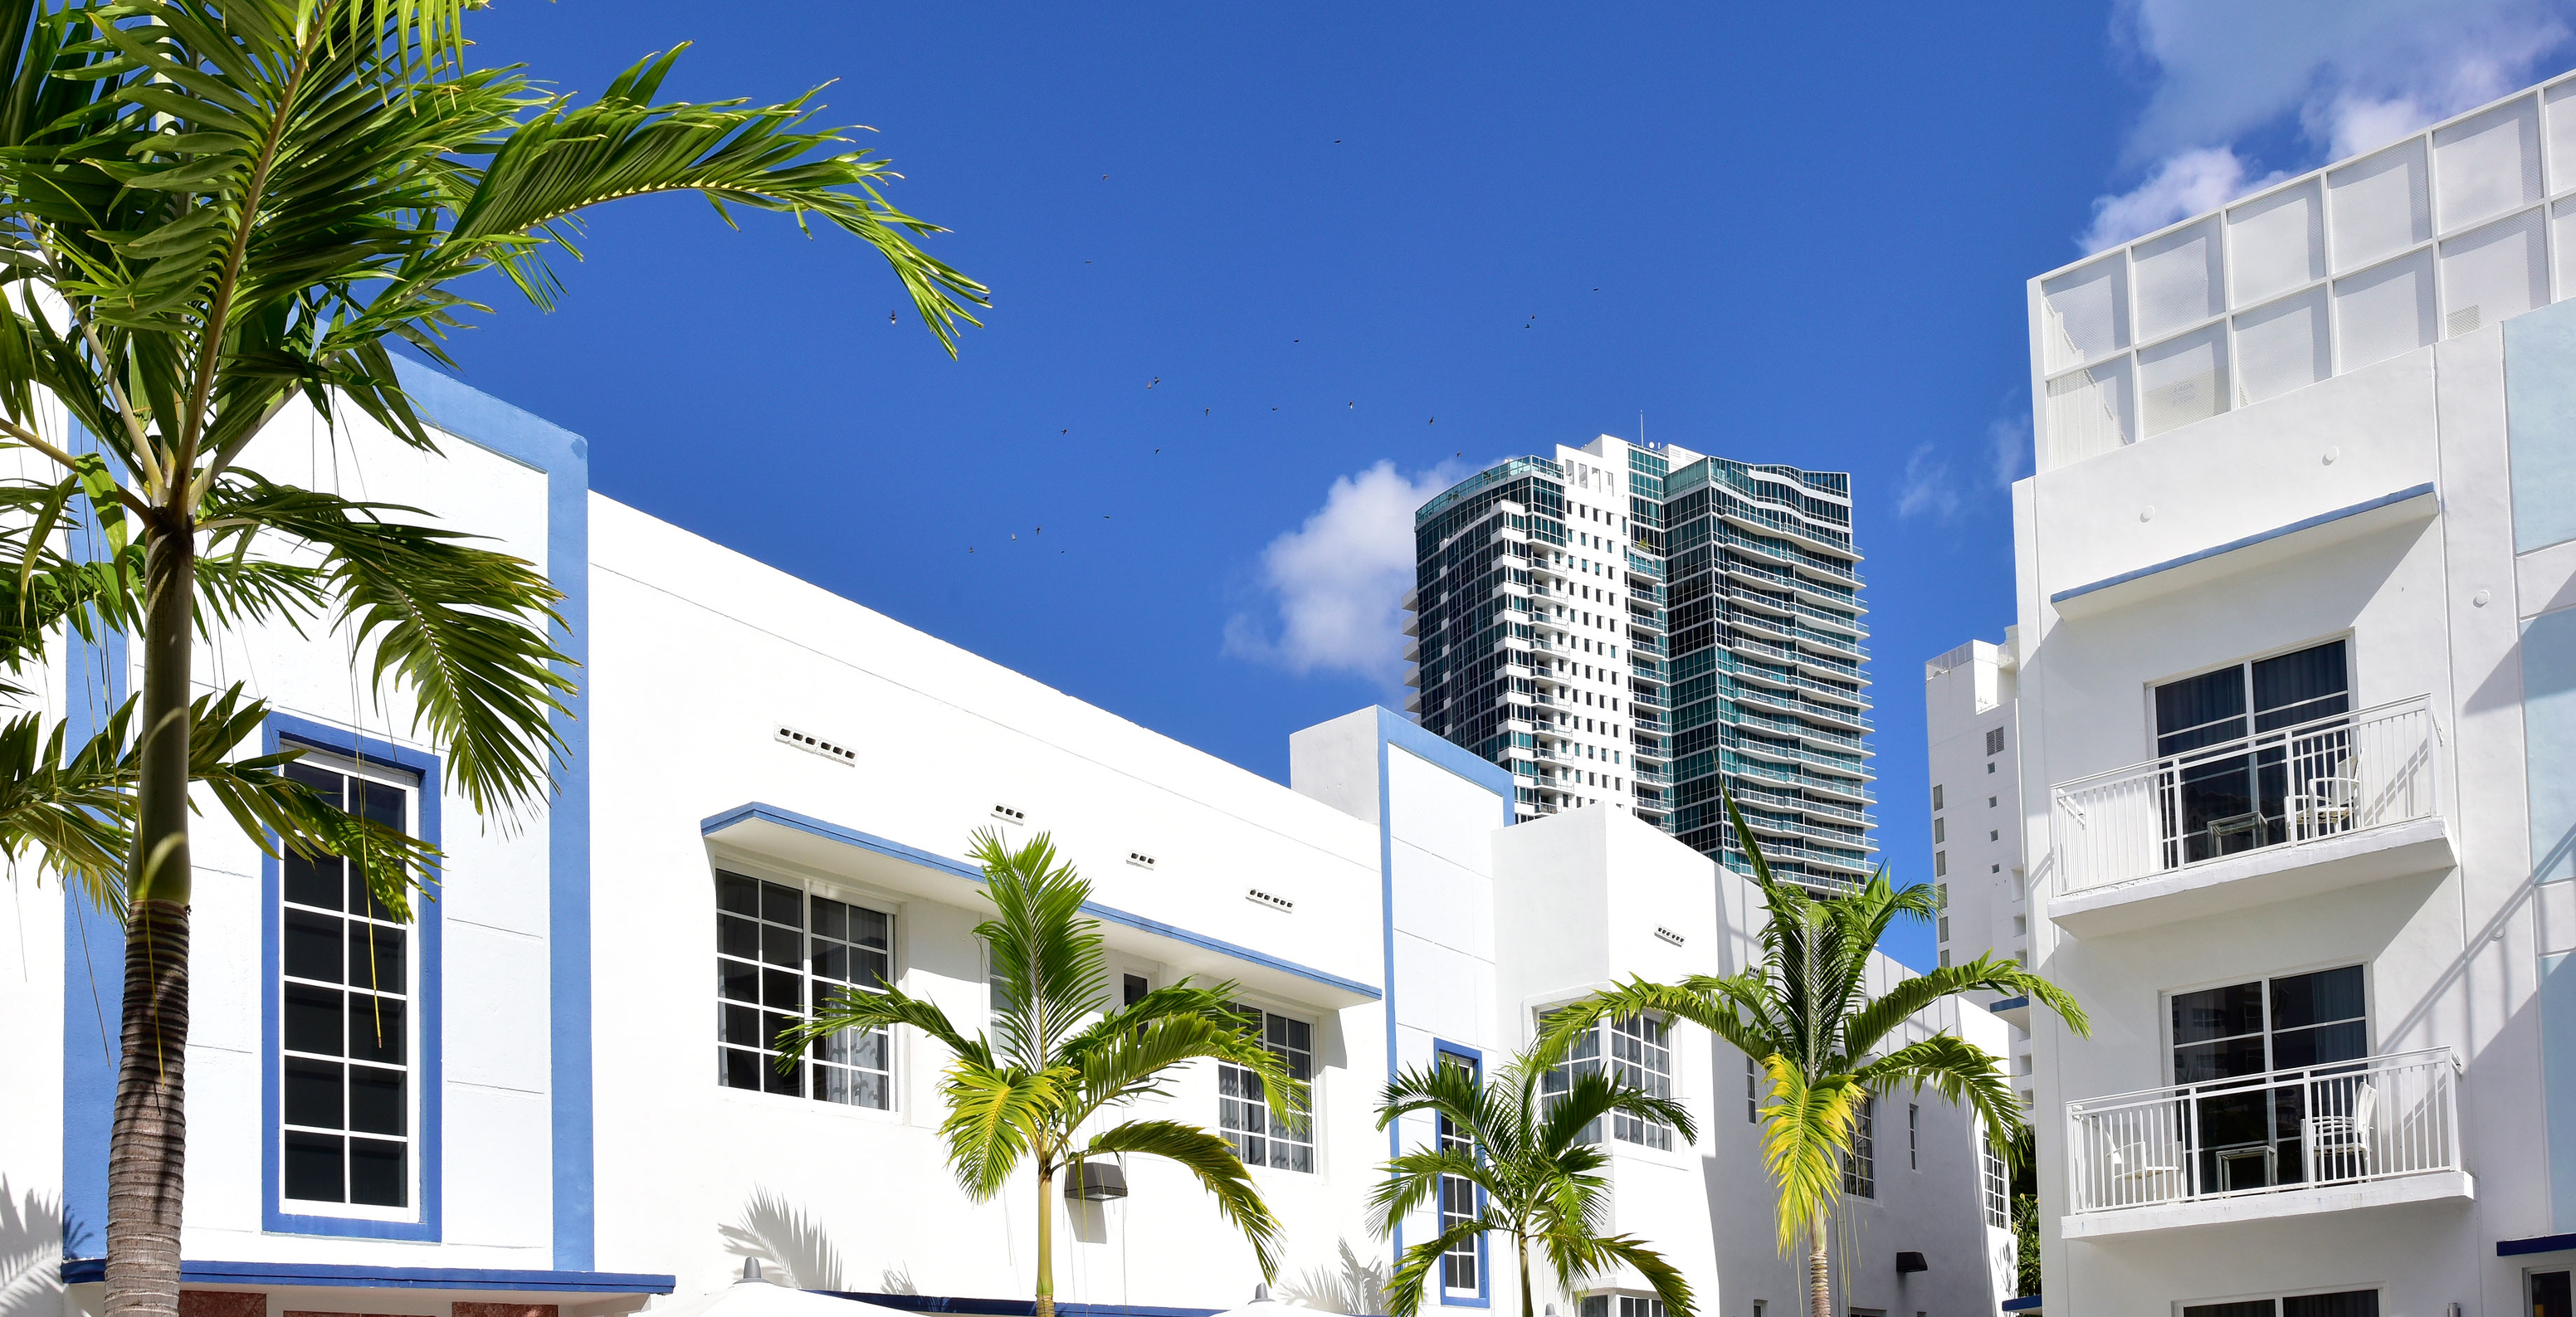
pixel 2384 500
pixel 334 1275
pixel 2511 1248
pixel 1396 729
pixel 959 868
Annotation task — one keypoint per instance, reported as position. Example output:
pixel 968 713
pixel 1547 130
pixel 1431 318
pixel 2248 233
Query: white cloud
pixel 1929 486
pixel 2348 74
pixel 2008 444
pixel 1336 581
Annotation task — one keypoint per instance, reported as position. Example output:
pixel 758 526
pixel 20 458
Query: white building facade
pixel 537 1100
pixel 2296 743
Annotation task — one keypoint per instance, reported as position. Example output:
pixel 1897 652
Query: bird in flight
pixel 894 317
pixel 1156 380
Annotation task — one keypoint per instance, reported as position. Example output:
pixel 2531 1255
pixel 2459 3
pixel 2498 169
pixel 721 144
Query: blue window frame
pixel 350 1014
pixel 1463 1280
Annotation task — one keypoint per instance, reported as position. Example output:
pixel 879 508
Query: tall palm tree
pixel 1533 1161
pixel 1805 1014
pixel 210 210
pixel 1060 1055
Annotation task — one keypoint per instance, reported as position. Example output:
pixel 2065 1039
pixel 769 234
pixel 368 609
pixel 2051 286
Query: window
pixel 1945 928
pixel 1623 1305
pixel 2550 1296
pixel 2250 1137
pixel 1640 1052
pixel 1990 802
pixel 1242 1107
pixel 1913 1137
pixel 1990 768
pixel 1752 1094
pixel 1995 741
pixel 1936 795
pixel 347 1104
pixel 2350 1303
pixel 1940 833
pixel 780 950
pixel 1458 1272
pixel 1998 1187
pixel 1132 989
pixel 1860 1168
pixel 1940 864
pixel 1994 834
pixel 2227 802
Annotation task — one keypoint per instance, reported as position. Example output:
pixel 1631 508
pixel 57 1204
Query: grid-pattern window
pixel 1998 1188
pixel 1995 741
pixel 1860 1167
pixel 345 996
pixel 1457 1197
pixel 780 951
pixel 1242 1105
pixel 1913 1137
pixel 1622 1305
pixel 1752 1091
pixel 2349 1303
pixel 1640 1052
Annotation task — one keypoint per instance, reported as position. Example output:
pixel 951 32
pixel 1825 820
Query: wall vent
pixel 1009 815
pixel 1668 935
pixel 1267 901
pixel 2463 321
pixel 812 744
pixel 1140 859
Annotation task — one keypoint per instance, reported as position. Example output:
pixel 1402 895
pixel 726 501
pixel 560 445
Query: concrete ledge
pixel 2258 877
pixel 2414 504
pixel 2431 1187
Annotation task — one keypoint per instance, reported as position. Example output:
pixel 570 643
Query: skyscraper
pixel 1637 626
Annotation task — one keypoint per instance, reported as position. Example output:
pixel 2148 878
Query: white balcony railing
pixel 2345 1123
pixel 2291 786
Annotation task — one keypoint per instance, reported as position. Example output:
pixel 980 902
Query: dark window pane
pixel 312 1022
pixel 831 919
pixel 738 1069
pixel 376 1029
pixel 778 945
pixel 2325 1044
pixel 2301 687
pixel 325 782
pixel 383 804
pixel 312 1095
pixel 782 905
pixel 362 899
pixel 376 1100
pixel 868 967
pixel 2202 1062
pixel 313 1169
pixel 792 1083
pixel 831 960
pixel 2351 1303
pixel 737 981
pixel 2198 711
pixel 1133 989
pixel 737 894
pixel 781 990
pixel 2551 1295
pixel 2327 995
pixel 772 1025
pixel 379 966
pixel 738 937
pixel 2218 1013
pixel 311 882
pixel 376 1173
pixel 871 928
pixel 312 946
pixel 741 1024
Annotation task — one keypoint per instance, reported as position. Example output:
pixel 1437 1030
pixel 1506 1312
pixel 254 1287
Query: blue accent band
pixel 327 1275
pixel 488 422
pixel 429 1075
pixel 2514 1248
pixel 958 868
pixel 2384 500
pixel 2026 1303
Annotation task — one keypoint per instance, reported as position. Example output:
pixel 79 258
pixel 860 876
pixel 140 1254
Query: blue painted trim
pixel 789 818
pixel 85 1271
pixel 521 436
pixel 2384 500
pixel 1396 728
pixel 93 941
pixel 2514 1248
pixel 1009 1307
pixel 2007 1004
pixel 2027 1303
pixel 428 1141
pixel 1484 1257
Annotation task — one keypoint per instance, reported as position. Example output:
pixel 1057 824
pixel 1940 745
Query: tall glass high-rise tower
pixel 1644 628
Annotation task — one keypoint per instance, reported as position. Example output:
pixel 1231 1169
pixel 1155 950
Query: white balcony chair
pixel 2331 804
pixel 2140 1173
pixel 2339 1145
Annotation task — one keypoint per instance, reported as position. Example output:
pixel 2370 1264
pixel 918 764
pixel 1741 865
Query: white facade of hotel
pixel 2296 679
pixel 540 1107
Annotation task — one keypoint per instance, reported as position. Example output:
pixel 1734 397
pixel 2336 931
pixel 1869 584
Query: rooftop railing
pixel 2296 785
pixel 2346 1123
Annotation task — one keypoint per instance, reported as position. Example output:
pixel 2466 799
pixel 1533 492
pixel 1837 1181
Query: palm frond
pixel 1958 1070
pixel 996 1116
pixel 1219 1171
pixel 1413 1270
pixel 1804 1141
pixel 1046 953
pixel 1879 1018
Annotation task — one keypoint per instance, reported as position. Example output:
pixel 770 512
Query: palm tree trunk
pixel 1521 1248
pixel 1820 1276
pixel 1046 1243
pixel 147 1145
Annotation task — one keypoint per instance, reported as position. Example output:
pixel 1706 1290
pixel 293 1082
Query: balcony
pixel 2355 1134
pixel 2325 805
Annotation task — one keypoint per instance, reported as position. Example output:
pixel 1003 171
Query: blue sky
pixel 1261 274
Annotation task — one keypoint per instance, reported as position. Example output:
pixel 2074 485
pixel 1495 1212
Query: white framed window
pixel 1860 1165
pixel 2342 1303
pixel 348 978
pixel 1622 1305
pixel 1638 1049
pixel 1459 1273
pixel 1998 1187
pixel 781 950
pixel 1913 1137
pixel 1752 1092
pixel 1242 1104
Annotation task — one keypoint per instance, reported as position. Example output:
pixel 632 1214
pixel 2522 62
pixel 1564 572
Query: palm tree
pixel 1059 1055
pixel 1805 1014
pixel 1533 1162
pixel 209 211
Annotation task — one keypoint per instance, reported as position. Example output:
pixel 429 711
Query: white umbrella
pixel 755 1296
pixel 1263 1305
